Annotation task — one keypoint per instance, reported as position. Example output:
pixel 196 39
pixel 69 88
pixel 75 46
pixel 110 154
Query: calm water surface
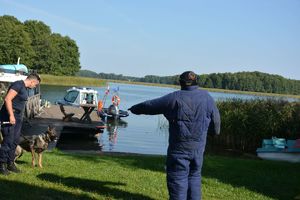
pixel 137 133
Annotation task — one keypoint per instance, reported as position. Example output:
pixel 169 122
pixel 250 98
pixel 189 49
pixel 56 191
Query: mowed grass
pixel 73 176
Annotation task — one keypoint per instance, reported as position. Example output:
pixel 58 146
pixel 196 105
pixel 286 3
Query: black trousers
pixel 11 136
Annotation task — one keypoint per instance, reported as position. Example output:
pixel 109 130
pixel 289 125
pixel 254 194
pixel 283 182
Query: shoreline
pixel 217 90
pixel 74 80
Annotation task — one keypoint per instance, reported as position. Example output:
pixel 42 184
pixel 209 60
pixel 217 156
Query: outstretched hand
pixel 132 110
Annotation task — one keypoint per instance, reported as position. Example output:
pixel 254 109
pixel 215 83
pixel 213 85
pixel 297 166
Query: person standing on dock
pixel 191 112
pixel 11 118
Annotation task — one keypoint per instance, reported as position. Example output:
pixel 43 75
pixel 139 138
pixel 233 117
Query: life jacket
pixel 100 105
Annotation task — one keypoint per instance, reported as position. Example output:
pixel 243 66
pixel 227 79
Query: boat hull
pixel 112 113
pixel 280 149
pixel 280 156
pixel 105 114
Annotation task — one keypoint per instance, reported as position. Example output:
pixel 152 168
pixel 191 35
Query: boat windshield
pixel 71 96
pixel 13 69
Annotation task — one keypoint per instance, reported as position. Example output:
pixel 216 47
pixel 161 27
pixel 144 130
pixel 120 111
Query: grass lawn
pixel 72 176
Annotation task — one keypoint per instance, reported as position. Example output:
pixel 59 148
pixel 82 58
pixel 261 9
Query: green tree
pixel 217 80
pixel 40 41
pixel 87 73
pixel 14 42
pixel 37 46
pixel 66 55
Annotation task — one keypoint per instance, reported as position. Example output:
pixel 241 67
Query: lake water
pixel 137 133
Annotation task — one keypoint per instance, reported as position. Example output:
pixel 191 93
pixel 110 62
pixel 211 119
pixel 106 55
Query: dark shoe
pixel 3 169
pixel 12 167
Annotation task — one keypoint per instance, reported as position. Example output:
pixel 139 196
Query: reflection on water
pixel 111 130
pixel 77 139
pixel 89 139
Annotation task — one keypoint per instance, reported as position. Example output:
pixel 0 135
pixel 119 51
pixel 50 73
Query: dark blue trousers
pixel 11 137
pixel 184 174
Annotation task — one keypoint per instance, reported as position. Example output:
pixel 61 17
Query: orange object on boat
pixel 100 105
pixel 116 100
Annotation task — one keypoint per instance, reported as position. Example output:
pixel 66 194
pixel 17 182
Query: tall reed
pixel 246 122
pixel 71 81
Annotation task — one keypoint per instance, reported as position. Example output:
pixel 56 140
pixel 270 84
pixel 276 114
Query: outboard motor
pixel 113 110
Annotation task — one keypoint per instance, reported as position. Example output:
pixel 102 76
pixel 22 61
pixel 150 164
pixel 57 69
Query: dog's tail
pixel 19 152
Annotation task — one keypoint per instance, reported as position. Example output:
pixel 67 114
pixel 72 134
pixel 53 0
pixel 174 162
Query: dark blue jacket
pixel 190 111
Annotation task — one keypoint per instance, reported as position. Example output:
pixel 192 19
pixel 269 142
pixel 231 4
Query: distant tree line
pixel 111 76
pixel 244 81
pixel 38 47
pixel 251 81
pixel 147 79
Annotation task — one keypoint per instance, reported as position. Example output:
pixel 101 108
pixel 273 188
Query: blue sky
pixel 167 37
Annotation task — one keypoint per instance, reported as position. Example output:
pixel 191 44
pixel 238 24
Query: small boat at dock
pixel 112 113
pixel 280 149
pixel 79 96
pixel 86 98
pixel 10 73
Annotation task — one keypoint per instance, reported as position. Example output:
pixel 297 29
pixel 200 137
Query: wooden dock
pixel 54 117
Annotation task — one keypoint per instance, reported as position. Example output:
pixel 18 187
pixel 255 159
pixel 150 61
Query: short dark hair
pixel 188 78
pixel 34 76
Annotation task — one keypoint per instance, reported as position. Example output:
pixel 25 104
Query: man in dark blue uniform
pixel 190 112
pixel 11 117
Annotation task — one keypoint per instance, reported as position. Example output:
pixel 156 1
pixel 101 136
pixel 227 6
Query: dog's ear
pixel 50 128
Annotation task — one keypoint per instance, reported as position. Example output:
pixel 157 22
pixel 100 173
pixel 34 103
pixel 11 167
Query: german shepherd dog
pixel 36 144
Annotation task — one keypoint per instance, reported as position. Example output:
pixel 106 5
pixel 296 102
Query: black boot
pixel 12 167
pixel 3 169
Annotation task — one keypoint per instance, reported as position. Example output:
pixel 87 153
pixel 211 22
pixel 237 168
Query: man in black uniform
pixel 11 115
